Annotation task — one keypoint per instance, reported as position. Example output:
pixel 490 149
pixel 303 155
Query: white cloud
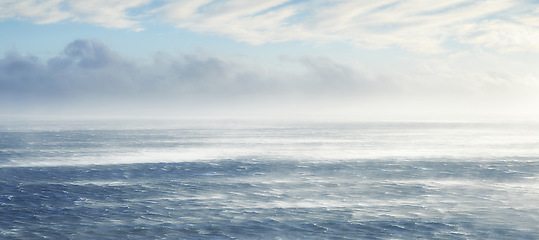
pixel 421 26
pixel 247 21
pixel 105 13
pixel 417 25
pixel 503 36
pixel 35 10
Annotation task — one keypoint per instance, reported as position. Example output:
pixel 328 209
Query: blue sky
pixel 344 57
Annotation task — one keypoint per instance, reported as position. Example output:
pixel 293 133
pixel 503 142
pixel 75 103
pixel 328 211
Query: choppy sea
pixel 187 179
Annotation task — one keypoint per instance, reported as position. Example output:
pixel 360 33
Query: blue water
pixel 179 179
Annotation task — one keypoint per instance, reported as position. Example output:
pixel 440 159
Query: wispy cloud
pixel 105 13
pixel 420 26
pixel 416 25
pixel 248 21
pixel 38 11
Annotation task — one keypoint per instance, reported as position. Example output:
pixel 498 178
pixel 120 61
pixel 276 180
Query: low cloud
pixel 89 75
pixel 87 70
pixel 91 67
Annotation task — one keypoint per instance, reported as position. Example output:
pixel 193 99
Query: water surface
pixel 182 179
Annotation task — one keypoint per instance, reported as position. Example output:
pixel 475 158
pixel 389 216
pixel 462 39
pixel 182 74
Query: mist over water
pixel 231 179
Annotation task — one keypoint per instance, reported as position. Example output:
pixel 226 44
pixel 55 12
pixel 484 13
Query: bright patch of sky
pixel 414 52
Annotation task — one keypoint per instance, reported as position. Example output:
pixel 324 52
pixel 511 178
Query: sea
pixel 257 179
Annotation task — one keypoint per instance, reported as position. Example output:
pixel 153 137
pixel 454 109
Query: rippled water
pixel 184 179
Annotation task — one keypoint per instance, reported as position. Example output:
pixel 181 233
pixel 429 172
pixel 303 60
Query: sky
pixel 392 59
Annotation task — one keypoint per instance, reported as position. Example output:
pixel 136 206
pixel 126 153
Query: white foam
pixel 314 143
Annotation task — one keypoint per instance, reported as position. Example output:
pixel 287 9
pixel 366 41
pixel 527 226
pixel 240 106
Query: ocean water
pixel 187 179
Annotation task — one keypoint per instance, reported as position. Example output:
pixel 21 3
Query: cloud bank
pixel 88 67
pixel 420 26
pixel 88 77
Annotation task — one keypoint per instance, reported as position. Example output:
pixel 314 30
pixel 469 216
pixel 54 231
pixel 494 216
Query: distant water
pixel 281 180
